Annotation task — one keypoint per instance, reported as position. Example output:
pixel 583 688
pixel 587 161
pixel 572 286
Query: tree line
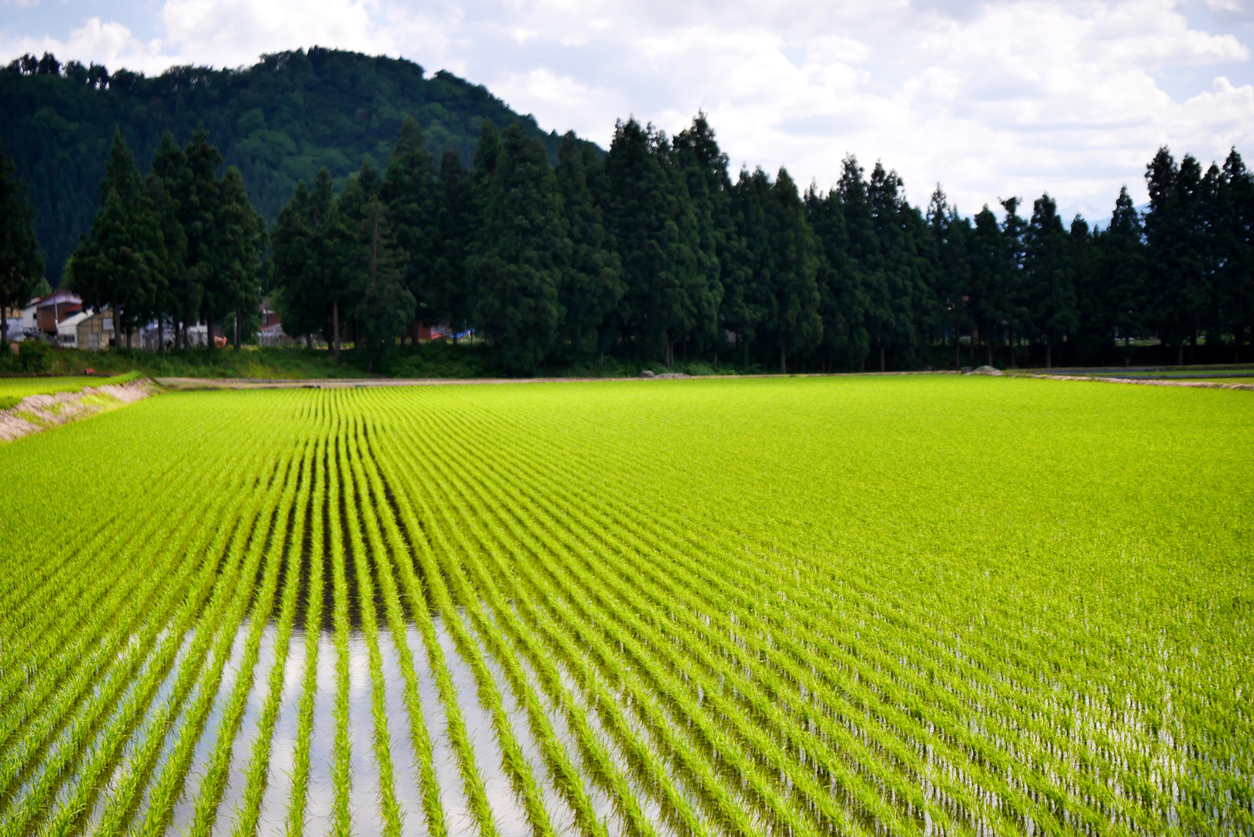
pixel 279 121
pixel 652 252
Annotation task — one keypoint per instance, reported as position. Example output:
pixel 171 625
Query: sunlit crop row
pixel 795 607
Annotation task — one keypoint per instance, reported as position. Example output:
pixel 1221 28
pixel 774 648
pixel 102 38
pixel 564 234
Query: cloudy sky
pixel 989 99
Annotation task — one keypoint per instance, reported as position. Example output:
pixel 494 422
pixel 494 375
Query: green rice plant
pixel 802 606
pixel 313 625
pixel 247 814
pixel 361 511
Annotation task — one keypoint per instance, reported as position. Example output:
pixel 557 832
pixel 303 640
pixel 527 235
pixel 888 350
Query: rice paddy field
pixel 864 605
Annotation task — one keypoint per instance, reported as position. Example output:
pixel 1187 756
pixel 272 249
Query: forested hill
pixel 278 121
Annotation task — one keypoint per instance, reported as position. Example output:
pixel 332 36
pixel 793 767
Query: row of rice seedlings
pixel 472 781
pixel 716 610
pixel 420 739
pixel 123 721
pixel 566 778
pixel 622 530
pixel 662 597
pixel 258 773
pixel 92 626
pixel 36 721
pixel 359 516
pixel 169 784
pixel 92 630
pixel 603 528
pixel 132 787
pixel 313 630
pixel 341 776
pixel 517 767
pixel 46 591
pixel 57 580
pixel 677 740
pixel 749 734
pixel 595 754
pixel 760 786
pixel 602 769
pixel 35 802
pixel 213 783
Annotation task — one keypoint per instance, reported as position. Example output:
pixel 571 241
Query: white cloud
pixel 990 99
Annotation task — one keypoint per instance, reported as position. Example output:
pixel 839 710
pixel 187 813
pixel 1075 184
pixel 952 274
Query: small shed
pixel 53 309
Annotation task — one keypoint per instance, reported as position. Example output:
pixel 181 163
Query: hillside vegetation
pixel 279 121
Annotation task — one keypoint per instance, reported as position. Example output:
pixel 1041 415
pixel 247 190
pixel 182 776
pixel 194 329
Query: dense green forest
pixel 279 122
pixel 556 254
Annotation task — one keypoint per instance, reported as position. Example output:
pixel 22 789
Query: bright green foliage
pixel 900 605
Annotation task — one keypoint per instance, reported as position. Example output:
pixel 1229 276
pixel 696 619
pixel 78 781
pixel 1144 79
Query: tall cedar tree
pixel 592 286
pixel 655 231
pixel 410 194
pixel 793 308
pixel 521 255
pixel 1175 249
pixel 1093 330
pixel 455 221
pixel 841 297
pixel 990 266
pixel 1122 272
pixel 178 299
pixel 291 240
pixel 951 234
pixel 120 264
pixel 865 256
pixel 1049 278
pixel 749 308
pixel 386 307
pixel 897 331
pixel 21 267
pixel 703 167
pixel 1235 241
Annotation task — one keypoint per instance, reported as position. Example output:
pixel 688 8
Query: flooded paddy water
pixel 365 792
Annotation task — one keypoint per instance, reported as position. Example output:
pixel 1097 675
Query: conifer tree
pixel 455 221
pixel 385 307
pixel 841 301
pixel 291 244
pixel 793 312
pixel 410 194
pixel 592 287
pixel 989 300
pixel 1048 278
pixel 747 306
pixel 655 231
pixel 951 234
pixel 168 186
pixel 866 255
pixel 120 264
pixel 703 166
pixel 21 266
pixel 1121 271
pixel 1174 242
pixel 1235 241
pixel 521 254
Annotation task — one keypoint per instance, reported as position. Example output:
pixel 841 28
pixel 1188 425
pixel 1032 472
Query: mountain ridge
pixel 279 121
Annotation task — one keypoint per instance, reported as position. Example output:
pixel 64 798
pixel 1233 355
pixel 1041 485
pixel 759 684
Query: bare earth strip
pixel 39 412
pixel 1154 382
